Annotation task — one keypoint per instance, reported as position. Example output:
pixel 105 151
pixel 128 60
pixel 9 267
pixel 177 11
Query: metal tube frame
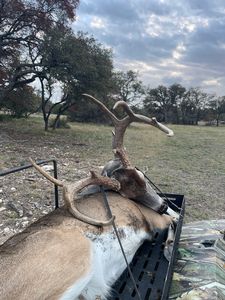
pixel 39 162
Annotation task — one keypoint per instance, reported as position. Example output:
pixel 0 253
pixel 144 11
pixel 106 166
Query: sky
pixel 165 41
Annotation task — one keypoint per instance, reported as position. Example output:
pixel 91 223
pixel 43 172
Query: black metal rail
pixel 39 162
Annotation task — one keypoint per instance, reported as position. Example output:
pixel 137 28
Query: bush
pixel 62 123
pixel 5 117
pixel 21 102
pixel 86 111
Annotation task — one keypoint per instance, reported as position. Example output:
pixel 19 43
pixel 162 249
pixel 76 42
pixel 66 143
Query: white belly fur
pixel 107 263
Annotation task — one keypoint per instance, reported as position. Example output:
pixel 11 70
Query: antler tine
pixel 104 109
pixel 71 194
pixel 162 127
pixel 142 119
pixel 99 180
pixel 45 174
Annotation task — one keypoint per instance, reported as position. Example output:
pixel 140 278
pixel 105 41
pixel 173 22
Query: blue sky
pixel 166 41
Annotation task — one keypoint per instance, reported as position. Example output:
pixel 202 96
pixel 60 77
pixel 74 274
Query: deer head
pixel 132 181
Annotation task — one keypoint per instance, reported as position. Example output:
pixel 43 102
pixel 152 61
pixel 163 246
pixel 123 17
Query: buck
pixel 73 253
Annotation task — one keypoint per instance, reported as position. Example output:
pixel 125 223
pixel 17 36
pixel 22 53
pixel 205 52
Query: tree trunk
pixel 217 121
pixel 183 117
pixel 165 115
pixel 43 105
pixel 177 115
pixel 197 117
pixel 46 124
pixel 56 121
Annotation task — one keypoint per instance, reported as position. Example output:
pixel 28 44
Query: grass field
pixel 190 163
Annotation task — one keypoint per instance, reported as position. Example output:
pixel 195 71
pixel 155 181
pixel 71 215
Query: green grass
pixel 190 163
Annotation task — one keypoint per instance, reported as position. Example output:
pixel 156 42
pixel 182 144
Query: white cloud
pixel 179 51
pixel 173 24
pixel 136 66
pixel 97 23
pixel 211 82
pixel 176 73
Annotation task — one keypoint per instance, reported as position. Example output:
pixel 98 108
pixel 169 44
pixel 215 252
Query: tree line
pixel 178 105
pixel 45 66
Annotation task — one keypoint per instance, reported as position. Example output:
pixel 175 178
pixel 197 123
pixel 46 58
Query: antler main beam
pixel 142 119
pixel 121 125
pixel 71 191
pixel 104 109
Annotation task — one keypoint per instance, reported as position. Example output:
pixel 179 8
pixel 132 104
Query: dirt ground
pixel 25 196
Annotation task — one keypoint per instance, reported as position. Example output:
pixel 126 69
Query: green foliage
pixel 5 117
pixel 176 104
pixel 79 64
pixel 22 101
pixel 217 110
pixel 23 26
pixel 158 102
pixel 127 86
pixel 86 111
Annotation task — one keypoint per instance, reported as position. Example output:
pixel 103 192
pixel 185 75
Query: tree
pixel 176 104
pixel 176 93
pixel 79 64
pixel 217 107
pixel 23 25
pixel 127 87
pixel 193 104
pixel 158 102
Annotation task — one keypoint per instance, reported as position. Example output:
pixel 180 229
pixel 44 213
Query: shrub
pixel 62 123
pixel 21 102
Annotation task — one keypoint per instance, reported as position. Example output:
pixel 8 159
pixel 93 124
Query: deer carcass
pixel 62 257
pixel 73 253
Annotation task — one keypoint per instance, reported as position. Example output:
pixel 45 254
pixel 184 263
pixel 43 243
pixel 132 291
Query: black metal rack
pixel 151 270
pixel 39 162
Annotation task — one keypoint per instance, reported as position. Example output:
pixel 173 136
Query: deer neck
pixel 153 220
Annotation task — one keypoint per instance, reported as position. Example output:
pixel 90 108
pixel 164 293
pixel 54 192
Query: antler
pixel 132 117
pixel 142 119
pixel 70 192
pixel 104 109
pixel 132 181
pixel 45 174
pixel 121 125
